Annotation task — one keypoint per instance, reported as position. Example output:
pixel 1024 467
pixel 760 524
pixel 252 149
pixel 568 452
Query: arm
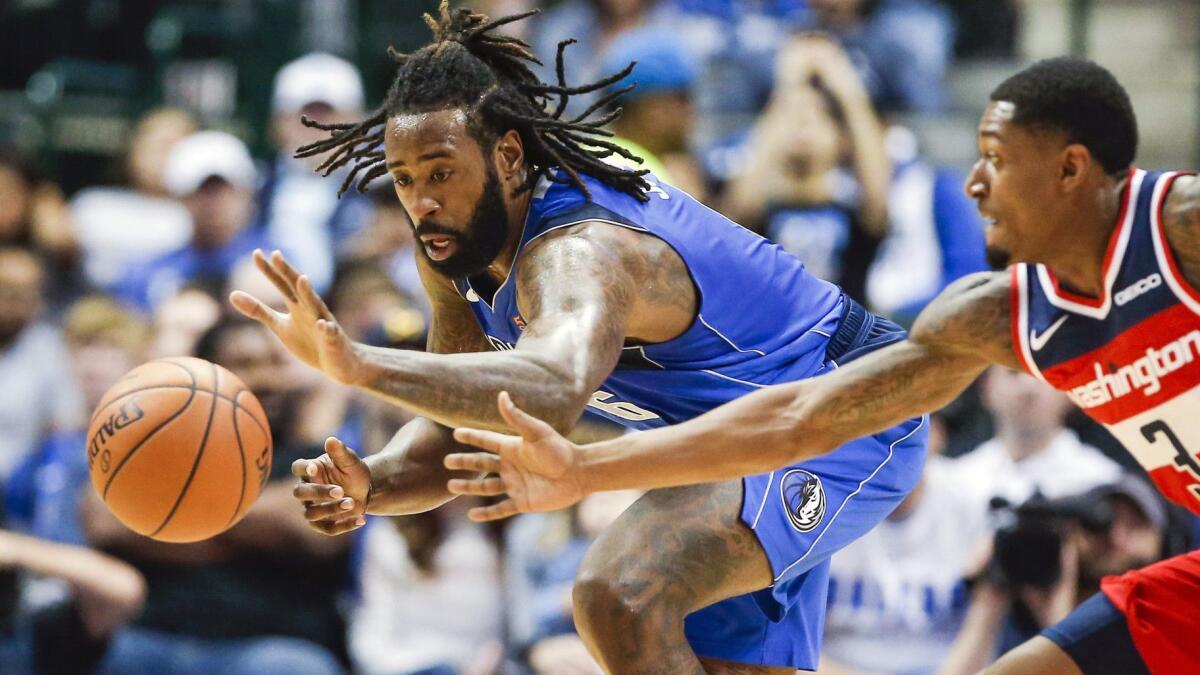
pixel 955 339
pixel 1181 220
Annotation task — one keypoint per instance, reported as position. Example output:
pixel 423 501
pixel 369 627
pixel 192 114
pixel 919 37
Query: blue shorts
pixel 802 515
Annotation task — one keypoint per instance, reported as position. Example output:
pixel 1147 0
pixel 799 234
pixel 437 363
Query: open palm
pixel 308 329
pixel 536 471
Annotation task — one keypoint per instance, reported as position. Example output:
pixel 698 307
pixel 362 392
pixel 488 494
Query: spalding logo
pixel 803 499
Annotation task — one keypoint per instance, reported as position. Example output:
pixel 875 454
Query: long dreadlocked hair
pixel 487 74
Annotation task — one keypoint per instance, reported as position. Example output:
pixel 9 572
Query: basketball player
pixel 1102 303
pixel 573 283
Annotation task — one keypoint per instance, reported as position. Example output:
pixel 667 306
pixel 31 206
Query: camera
pixel 1027 547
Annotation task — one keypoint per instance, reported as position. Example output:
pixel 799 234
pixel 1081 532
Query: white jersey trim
pixel 1114 265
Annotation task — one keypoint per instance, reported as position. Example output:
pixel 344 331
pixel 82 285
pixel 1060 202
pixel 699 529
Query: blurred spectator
pixel 1032 452
pixel 985 29
pixel 68 633
pixel 139 221
pixel 39 395
pixel 34 215
pixel 543 557
pixel 594 25
pixel 104 341
pixel 815 171
pixel 935 234
pixel 260 598
pixel 181 319
pixel 901 47
pixel 212 174
pixel 389 242
pixel 896 595
pixel 656 118
pixel 432 601
pixel 1051 558
pixel 296 204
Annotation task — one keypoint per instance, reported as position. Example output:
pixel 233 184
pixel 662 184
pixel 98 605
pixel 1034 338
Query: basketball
pixel 178 449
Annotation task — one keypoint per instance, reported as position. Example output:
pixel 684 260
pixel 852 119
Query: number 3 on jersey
pixel 1186 462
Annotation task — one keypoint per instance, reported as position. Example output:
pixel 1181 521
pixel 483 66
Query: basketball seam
pixel 221 396
pixel 237 434
pixel 199 454
pixel 132 451
pixel 123 394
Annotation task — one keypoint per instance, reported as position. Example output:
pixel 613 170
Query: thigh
pixel 273 655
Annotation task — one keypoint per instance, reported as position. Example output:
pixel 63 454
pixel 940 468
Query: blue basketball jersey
pixel 762 318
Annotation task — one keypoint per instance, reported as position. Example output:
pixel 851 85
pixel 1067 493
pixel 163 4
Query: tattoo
pixel 631 605
pixel 954 340
pixel 1181 221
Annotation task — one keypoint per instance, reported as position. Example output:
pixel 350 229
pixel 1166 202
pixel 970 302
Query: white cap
pixel 205 154
pixel 317 78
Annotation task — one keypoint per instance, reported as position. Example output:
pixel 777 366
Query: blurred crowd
pixel 786 115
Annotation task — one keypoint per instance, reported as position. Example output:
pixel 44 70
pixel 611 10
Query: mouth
pixel 439 247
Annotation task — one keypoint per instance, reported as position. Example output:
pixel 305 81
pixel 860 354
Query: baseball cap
pixel 317 78
pixel 203 155
pixel 663 63
pixel 1137 491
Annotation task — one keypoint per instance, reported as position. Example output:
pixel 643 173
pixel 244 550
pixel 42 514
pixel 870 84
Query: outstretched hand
pixel 536 471
pixel 308 329
pixel 334 489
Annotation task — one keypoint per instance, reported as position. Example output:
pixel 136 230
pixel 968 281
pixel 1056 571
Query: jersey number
pixel 623 409
pixel 1183 459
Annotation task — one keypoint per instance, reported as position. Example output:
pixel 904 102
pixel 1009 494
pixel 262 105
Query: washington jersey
pixel 1131 357
pixel 762 319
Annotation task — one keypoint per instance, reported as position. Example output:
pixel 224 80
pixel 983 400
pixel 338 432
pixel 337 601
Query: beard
pixel 997 259
pixel 481 241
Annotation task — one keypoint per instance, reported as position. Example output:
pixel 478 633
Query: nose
pixel 424 207
pixel 976 187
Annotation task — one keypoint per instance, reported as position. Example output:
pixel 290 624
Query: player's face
pixel 450 189
pixel 1014 184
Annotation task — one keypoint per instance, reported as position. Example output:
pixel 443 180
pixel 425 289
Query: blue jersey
pixel 762 318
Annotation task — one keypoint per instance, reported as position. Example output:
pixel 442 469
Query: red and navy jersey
pixel 1131 357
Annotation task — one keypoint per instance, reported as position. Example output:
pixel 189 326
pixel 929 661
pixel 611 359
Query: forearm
pixel 408 476
pixel 871 165
pixel 96 577
pixel 460 389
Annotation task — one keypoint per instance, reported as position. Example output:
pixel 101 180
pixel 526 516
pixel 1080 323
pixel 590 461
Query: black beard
pixel 483 238
pixel 996 258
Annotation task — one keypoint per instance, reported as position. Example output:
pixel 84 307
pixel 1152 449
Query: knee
pixel 601 602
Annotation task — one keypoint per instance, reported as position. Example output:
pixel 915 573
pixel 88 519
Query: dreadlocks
pixel 469 66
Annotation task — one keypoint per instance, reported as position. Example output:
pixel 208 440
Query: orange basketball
pixel 178 449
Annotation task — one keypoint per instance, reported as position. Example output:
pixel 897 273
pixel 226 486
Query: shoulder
pixel 972 315
pixel 581 249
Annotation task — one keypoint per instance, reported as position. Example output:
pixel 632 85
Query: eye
pixel 402 181
pixel 440 176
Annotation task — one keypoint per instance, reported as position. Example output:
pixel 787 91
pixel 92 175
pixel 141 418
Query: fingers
pixel 482 462
pixel 342 456
pixel 327 511
pixel 253 308
pixel 479 487
pixel 498 511
pixel 311 300
pixel 530 427
pixel 304 468
pixel 316 492
pixel 488 440
pixel 285 288
pixel 285 270
pixel 340 526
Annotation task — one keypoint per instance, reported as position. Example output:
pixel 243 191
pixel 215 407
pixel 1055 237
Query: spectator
pixel 181 319
pixel 432 602
pixel 935 234
pixel 656 118
pixel 104 217
pixel 212 174
pixel 296 204
pixel 388 240
pixel 1108 530
pixel 39 395
pixel 902 48
pixel 104 341
pixel 815 175
pixel 70 633
pixel 233 603
pixel 34 215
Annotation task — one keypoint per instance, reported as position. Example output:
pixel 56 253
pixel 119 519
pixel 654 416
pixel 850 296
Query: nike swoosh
pixel 1036 342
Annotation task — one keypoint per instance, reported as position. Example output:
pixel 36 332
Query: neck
pixel 1078 262
pixel 516 212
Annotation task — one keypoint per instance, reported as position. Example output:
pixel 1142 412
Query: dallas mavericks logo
pixel 803 499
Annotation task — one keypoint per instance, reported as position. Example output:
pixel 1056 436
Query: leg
pixel 672 553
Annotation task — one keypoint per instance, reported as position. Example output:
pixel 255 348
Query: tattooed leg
pixel 673 552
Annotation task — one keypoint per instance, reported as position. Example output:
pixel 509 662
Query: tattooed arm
pixel 1181 220
pixel 961 332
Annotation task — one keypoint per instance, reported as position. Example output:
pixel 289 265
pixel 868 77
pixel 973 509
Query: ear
pixel 509 155
pixel 1075 162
